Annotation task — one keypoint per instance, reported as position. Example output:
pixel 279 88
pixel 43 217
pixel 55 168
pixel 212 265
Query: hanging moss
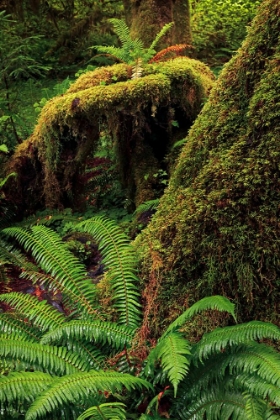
pixel 217 227
pixel 136 112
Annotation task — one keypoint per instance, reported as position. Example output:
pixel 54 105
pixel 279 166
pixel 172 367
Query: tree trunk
pixel 147 17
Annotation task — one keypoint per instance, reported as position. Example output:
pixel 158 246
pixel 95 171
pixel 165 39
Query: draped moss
pixel 139 115
pixel 217 226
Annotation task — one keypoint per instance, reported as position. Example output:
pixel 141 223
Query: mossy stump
pixel 139 115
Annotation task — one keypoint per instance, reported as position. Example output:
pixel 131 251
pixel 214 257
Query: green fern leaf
pixel 11 324
pixel 258 387
pixel 151 50
pixel 56 360
pixel 220 338
pixel 218 303
pixel 104 333
pixel 23 386
pixel 40 313
pixel 216 404
pixel 172 352
pixel 147 205
pixel 119 257
pixel 53 257
pixel 73 388
pixel 121 29
pixel 112 51
pixel 255 408
pixel 106 411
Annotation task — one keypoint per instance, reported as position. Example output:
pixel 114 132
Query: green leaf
pixel 218 303
pixel 106 411
pixel 73 388
pixel 172 352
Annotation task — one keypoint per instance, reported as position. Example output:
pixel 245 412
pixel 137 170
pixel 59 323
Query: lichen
pixel 217 227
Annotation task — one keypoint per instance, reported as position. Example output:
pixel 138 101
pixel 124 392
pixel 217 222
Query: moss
pixel 217 227
pixel 136 112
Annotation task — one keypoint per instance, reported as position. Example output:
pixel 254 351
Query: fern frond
pixel 215 404
pixel 40 313
pixel 104 333
pixel 258 387
pixel 110 50
pixel 106 411
pixel 255 408
pixel 53 257
pixel 73 388
pixel 172 352
pixel 161 33
pixel 56 360
pixel 119 257
pixel 147 206
pixel 220 338
pixel 10 255
pixel 11 324
pixel 218 303
pixel 23 386
pixel 121 29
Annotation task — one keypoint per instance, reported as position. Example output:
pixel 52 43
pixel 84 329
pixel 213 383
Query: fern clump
pixel 132 51
pixel 80 367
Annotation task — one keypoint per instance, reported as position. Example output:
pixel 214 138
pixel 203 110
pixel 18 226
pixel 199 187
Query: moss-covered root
pixel 217 227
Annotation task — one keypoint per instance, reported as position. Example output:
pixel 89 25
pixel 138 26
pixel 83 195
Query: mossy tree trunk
pixel 147 17
pixel 217 228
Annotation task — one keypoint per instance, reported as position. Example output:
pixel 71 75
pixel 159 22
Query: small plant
pixel 132 51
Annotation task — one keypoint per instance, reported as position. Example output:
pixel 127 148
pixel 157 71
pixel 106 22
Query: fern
pixel 162 32
pixel 255 408
pixel 10 323
pixel 220 338
pixel 51 359
pixel 118 255
pixel 104 333
pixel 218 303
pixel 23 386
pixel 258 387
pixel 172 352
pixel 106 411
pixel 132 51
pixel 53 257
pixel 149 205
pixel 217 404
pixel 71 388
pixel 40 313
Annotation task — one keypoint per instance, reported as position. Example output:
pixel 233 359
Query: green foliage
pixel 118 252
pixel 219 27
pixel 226 375
pixel 132 51
pixel 109 411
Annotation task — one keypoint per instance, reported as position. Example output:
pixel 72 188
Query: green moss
pixel 136 113
pixel 217 227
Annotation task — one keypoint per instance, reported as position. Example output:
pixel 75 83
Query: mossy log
pixel 217 227
pixel 139 115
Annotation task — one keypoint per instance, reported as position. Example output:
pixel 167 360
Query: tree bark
pixel 147 17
